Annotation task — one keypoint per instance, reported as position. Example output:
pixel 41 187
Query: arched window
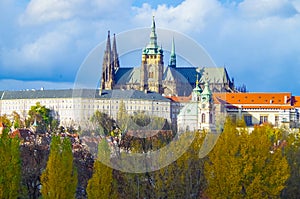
pixel 203 118
pixel 151 72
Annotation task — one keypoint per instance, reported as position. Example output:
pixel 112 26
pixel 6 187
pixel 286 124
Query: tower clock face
pixel 203 105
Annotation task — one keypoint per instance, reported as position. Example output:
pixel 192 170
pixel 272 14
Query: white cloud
pixel 266 8
pixel 41 11
pixel 43 51
pixel 189 15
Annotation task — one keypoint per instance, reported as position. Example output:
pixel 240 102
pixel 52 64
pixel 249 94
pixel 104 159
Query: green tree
pixel 10 166
pixel 6 122
pixel 183 178
pixel 18 123
pixel 122 117
pixel 265 169
pixel 59 180
pixel 41 115
pixel 101 183
pixel 104 124
pixel 242 166
pixel 292 153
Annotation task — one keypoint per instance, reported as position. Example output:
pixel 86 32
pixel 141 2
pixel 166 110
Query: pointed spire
pixel 197 88
pixel 107 68
pixel 153 37
pixel 173 55
pixel 196 91
pixel 108 46
pixel 115 56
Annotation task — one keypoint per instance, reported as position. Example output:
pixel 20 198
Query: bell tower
pixel 206 115
pixel 152 64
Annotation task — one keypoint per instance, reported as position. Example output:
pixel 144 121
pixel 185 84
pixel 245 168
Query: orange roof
pixel 179 98
pixel 261 107
pixel 255 98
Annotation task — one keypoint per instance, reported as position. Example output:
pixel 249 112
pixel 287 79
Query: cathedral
pixel 154 76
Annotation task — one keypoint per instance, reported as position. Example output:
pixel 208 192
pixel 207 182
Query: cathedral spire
pixel 115 57
pixel 153 36
pixel 107 67
pixel 173 55
pixel 108 46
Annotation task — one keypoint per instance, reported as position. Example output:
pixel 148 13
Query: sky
pixel 44 42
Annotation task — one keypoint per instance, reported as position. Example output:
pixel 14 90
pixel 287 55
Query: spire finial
pixel 197 81
pixel 173 55
pixel 153 37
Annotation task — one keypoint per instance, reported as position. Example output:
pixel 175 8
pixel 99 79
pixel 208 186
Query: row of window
pixel 262 119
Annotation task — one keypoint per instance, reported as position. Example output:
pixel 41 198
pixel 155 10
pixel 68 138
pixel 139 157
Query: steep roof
pixel 184 74
pixel 127 75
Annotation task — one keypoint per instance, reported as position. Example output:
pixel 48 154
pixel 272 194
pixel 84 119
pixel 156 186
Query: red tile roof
pixel 180 98
pixel 255 98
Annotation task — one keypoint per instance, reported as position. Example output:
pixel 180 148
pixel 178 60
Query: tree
pixel 41 115
pixel 101 183
pixel 18 123
pixel 122 117
pixel 292 153
pixel 184 177
pixel 34 160
pixel 10 166
pixel 265 169
pixel 6 122
pixel 104 124
pixel 242 166
pixel 59 180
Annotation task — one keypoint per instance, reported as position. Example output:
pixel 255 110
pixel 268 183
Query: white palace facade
pixel 75 107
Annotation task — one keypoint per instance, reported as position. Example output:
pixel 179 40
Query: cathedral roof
pixel 128 75
pixel 214 75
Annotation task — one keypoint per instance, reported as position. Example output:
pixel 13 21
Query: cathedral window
pixel 150 74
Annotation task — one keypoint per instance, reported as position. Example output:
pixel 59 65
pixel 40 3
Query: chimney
pixel 285 99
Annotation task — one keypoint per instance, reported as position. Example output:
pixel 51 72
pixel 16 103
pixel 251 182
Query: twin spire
pixel 110 63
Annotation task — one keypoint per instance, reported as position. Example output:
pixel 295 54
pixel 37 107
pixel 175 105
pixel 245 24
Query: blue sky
pixel 43 43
